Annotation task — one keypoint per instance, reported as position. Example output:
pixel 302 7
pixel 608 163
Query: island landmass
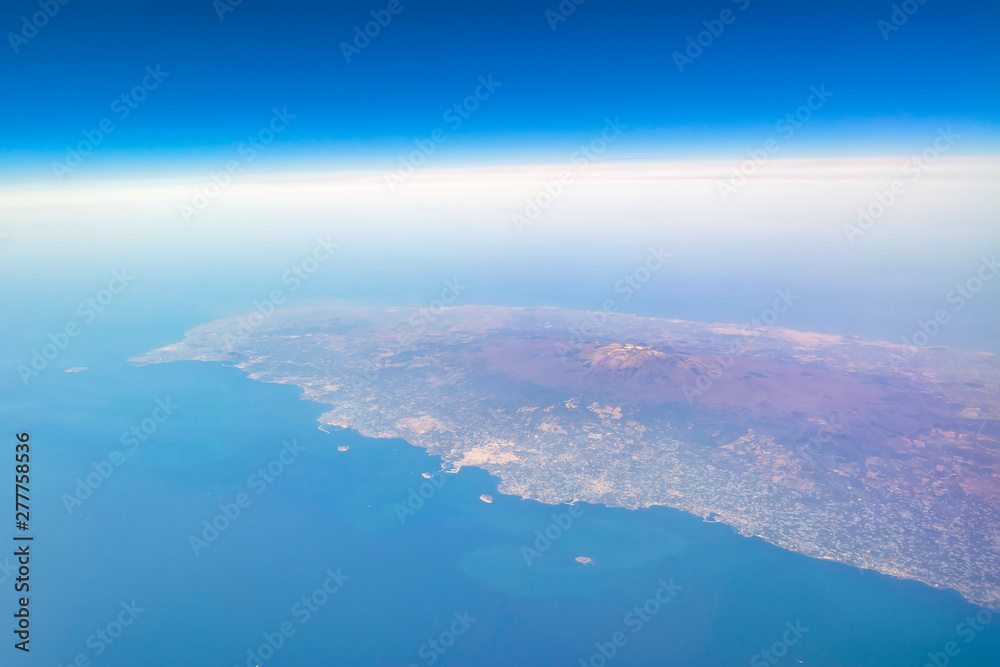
pixel 878 455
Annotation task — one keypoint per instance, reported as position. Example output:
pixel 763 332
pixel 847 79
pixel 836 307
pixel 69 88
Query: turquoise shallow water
pixel 405 582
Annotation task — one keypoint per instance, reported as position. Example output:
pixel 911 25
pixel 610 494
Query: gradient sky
pixel 891 98
pixel 607 59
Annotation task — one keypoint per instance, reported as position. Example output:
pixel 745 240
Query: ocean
pixel 317 556
pixel 237 533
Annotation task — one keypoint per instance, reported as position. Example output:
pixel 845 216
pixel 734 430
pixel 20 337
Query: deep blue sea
pixel 397 585
pixel 116 582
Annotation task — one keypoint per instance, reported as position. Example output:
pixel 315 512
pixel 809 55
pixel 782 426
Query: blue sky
pixel 606 59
